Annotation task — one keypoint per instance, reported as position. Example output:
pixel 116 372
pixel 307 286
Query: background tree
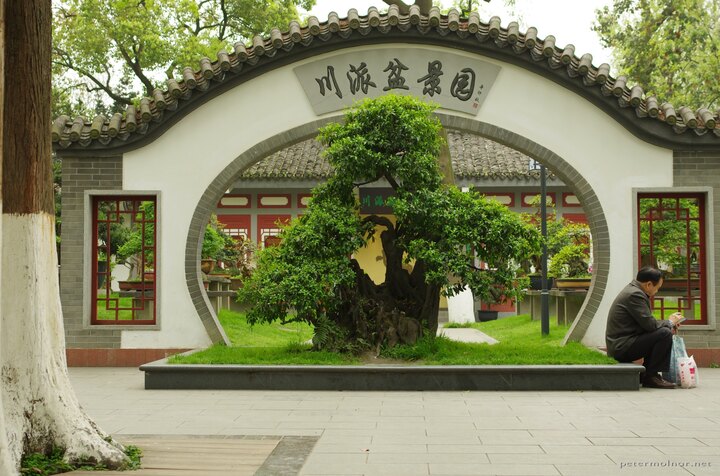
pixel 670 47
pixel 439 236
pixel 117 50
pixel 37 402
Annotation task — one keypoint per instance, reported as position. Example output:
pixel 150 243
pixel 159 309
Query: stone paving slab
pixel 466 334
pixel 554 432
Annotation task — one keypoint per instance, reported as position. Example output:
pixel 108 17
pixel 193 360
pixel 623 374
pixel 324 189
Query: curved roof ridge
pixel 154 113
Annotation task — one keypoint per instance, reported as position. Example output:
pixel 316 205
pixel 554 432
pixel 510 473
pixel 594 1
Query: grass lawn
pixel 266 344
pixel 123 304
pixel 521 343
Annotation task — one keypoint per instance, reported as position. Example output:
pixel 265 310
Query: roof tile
pixel 67 134
pixel 473 157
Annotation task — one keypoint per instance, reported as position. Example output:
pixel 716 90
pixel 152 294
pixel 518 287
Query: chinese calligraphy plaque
pixel 453 81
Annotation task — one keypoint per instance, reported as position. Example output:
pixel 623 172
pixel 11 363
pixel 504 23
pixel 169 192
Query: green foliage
pixel 450 230
pixel 38 464
pixel 572 258
pixel 131 240
pixel 102 49
pixel 214 240
pixel 670 47
pixel 134 455
pixel 391 137
pixel 304 272
pixel 568 244
pixel 394 138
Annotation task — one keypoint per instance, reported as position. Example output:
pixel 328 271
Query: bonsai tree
pixel 135 240
pixel 533 265
pixel 213 240
pixel 572 260
pixel 439 234
pixel 245 262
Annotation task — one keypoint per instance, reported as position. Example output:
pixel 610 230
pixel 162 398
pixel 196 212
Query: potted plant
pixel 137 241
pixel 212 246
pixel 220 272
pixel 571 264
pixel 244 263
pixel 134 285
pixel 532 267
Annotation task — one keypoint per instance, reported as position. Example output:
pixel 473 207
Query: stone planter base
pixel 160 375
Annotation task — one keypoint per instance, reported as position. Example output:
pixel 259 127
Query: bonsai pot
pixel 536 282
pixel 572 283
pixel 207 265
pixel 484 316
pixel 134 285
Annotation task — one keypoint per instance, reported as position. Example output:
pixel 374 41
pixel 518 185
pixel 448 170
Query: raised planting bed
pixel 161 375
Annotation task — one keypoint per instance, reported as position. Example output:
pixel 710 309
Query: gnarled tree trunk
pixel 39 407
pixel 401 309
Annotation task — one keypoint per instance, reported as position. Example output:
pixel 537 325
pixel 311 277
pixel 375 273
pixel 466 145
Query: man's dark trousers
pixel 654 347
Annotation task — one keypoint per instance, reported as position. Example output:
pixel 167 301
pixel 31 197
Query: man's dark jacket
pixel 630 316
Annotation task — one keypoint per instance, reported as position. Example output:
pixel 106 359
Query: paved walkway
pixel 649 432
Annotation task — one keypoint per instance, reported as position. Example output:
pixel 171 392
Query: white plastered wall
pixel 187 158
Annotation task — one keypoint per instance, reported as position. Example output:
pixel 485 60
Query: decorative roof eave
pixel 657 124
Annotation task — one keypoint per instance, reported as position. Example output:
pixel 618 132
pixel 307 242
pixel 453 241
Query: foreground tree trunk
pixel 39 407
pixel 5 462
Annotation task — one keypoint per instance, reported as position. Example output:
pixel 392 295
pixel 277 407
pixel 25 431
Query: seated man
pixel 633 332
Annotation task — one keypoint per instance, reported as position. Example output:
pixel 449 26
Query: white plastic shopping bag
pixel 688 372
pixel 678 352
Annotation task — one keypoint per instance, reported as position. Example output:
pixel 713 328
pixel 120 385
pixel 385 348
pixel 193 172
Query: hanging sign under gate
pixel 453 81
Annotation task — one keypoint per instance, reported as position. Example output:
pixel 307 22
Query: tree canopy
pixel 115 50
pixel 441 240
pixel 670 47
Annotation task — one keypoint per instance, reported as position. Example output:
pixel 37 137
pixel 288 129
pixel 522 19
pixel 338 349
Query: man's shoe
pixel 656 381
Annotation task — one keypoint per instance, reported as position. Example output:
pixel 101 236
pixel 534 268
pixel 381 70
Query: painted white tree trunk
pixel 39 405
pixel 5 463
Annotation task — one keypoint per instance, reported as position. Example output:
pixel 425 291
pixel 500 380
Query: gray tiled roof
pixel 154 115
pixel 299 161
pixel 473 157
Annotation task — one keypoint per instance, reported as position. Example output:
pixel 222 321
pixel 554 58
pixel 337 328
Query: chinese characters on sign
pixel 375 200
pixel 451 80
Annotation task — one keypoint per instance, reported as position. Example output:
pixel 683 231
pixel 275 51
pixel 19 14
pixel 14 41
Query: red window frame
pixel 696 279
pixel 270 226
pixel 143 298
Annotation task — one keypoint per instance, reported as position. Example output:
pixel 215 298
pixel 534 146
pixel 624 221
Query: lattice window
pixel 269 228
pixel 671 234
pixel 124 236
